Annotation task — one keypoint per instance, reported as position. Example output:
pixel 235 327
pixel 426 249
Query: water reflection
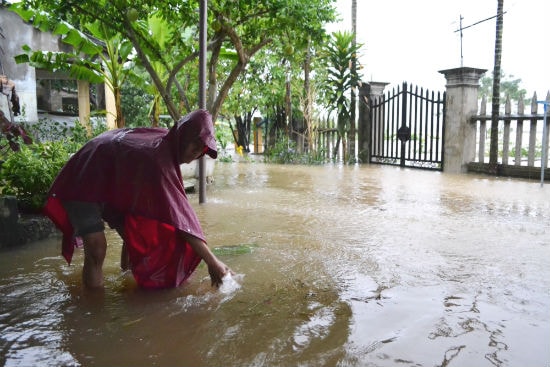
pixel 362 266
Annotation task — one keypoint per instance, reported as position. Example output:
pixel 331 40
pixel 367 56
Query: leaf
pixel 233 250
pixel 84 73
pixel 81 43
pixel 25 14
pixel 61 28
pixel 21 59
pixel 125 49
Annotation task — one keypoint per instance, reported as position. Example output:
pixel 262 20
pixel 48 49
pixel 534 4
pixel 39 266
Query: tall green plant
pixel 340 53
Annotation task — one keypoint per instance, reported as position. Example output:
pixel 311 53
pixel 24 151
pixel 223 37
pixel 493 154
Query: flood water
pixel 348 266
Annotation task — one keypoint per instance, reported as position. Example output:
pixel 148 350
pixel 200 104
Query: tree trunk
pixel 493 154
pixel 170 106
pixel 308 98
pixel 155 112
pixel 118 106
pixel 336 146
pixel 351 136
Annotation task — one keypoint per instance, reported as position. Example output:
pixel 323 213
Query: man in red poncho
pixel 131 179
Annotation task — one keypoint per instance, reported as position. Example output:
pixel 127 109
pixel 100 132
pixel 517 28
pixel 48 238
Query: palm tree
pixel 493 155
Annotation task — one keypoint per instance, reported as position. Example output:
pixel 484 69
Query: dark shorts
pixel 85 217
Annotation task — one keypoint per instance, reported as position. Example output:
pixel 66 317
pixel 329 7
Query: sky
pixel 412 40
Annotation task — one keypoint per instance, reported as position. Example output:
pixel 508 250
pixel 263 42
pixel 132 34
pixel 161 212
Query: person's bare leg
pixel 124 257
pixel 95 248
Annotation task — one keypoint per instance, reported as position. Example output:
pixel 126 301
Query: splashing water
pixel 231 283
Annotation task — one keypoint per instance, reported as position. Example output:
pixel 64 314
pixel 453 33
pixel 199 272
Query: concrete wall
pixel 17 34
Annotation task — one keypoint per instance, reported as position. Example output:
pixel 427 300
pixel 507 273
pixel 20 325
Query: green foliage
pixel 72 62
pixel 135 105
pixel 509 86
pixel 29 173
pixel 98 58
pixel 163 34
pixel 284 152
pixel 72 135
pixel 224 136
pixel 339 54
pixel 77 68
pixel 524 152
pixel 237 32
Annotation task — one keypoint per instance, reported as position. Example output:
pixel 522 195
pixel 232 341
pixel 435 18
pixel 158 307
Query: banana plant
pixel 100 60
pixel 163 33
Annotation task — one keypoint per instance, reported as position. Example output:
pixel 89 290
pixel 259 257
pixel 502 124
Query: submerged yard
pixel 336 266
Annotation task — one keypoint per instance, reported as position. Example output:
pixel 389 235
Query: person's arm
pixel 216 268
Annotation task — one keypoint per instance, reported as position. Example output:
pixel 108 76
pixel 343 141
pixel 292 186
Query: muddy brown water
pixel 348 266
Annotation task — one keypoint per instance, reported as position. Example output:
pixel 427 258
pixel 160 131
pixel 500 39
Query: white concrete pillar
pixel 460 134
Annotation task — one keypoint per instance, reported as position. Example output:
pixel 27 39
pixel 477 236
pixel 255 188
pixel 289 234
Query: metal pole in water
pixel 544 157
pixel 202 91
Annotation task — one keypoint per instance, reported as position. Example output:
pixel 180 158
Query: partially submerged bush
pixel 284 152
pixel 29 173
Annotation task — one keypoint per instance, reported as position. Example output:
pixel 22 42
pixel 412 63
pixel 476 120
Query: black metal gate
pixel 407 128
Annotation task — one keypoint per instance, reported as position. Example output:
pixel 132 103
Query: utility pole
pixel 493 153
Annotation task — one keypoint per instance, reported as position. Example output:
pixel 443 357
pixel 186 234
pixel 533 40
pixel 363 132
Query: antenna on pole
pixel 461 28
pixel 461 36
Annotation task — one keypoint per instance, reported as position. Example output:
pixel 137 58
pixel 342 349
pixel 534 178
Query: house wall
pixel 16 34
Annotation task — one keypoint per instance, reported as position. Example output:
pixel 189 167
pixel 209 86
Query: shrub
pixel 284 152
pixel 29 173
pixel 73 134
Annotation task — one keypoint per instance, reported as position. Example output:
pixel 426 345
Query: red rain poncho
pixel 136 172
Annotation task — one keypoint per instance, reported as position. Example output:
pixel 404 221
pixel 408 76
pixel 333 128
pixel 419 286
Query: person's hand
pixel 217 271
pixel 216 268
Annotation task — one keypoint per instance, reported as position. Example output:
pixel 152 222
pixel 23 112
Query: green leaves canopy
pixel 243 26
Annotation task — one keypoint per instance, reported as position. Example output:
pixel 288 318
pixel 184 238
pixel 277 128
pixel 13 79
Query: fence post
pixel 364 124
pixel 367 93
pixel 461 104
